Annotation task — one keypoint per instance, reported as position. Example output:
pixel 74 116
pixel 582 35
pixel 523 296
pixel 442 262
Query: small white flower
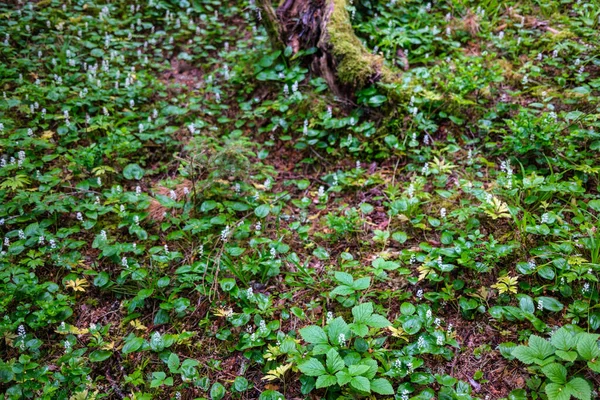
pixel 342 339
pixel 540 305
pixel 79 216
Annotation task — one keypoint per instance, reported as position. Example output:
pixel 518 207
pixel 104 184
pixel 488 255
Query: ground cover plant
pixel 189 211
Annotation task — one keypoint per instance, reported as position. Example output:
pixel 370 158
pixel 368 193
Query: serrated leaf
pixel 587 346
pixel 557 392
pixel 334 362
pixel 312 367
pixel 342 290
pixel 361 383
pixel 567 355
pixel 378 321
pixel 359 328
pixel 580 389
pixel 343 377
pixel 524 354
pixel 344 278
pixel 358 369
pixel 335 328
pixel 362 312
pixel 556 373
pixel 562 339
pixel 541 347
pixel 382 386
pixel 314 334
pixel 361 283
pixel 325 381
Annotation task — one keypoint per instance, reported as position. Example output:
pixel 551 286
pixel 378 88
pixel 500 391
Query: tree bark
pixel 341 58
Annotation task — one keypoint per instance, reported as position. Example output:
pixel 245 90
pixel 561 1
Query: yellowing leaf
pixel 277 373
pixel 78 285
pixel 137 325
pixel 506 284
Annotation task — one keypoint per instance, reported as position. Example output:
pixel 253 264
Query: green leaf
pixel 312 367
pixel 587 346
pixel 133 171
pixel 344 278
pixel 362 312
pixel 542 348
pixel 132 345
pixel 325 381
pixel 335 328
pixel 358 369
pixel 567 355
pixel 382 386
pixel 361 283
pixel 562 339
pixel 361 383
pixel 580 389
pixel 262 210
pixel 359 328
pixel 550 303
pixel 378 321
pixel 557 392
pixel 400 237
pixel 334 361
pixel 343 377
pixel 240 384
pixel 100 355
pixel 407 308
pixel 314 334
pixel 217 391
pixel 173 363
pixel 556 373
pixel 342 290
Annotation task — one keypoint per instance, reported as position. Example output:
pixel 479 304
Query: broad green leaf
pixel 557 392
pixel 587 346
pixel 132 345
pixel 361 383
pixel 100 355
pixel 173 363
pixel 312 367
pixel 217 391
pixel 314 334
pixel 567 355
pixel 382 386
pixel 343 377
pixel 262 210
pixel 133 171
pixel 342 290
pixel 358 369
pixel 378 321
pixel 336 327
pixel 359 328
pixel 344 277
pixel 542 348
pixel 362 312
pixel 549 303
pixel 361 283
pixel 562 339
pixel 556 373
pixel 325 381
pixel 580 389
pixel 334 361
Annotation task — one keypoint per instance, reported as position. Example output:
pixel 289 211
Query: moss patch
pixel 355 63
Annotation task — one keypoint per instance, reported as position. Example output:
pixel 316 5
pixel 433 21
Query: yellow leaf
pixel 78 285
pixel 137 325
pixel 277 373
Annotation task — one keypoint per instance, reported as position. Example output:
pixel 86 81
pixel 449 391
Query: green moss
pixel 355 63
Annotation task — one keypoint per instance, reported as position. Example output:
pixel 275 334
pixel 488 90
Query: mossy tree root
pixel 341 58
